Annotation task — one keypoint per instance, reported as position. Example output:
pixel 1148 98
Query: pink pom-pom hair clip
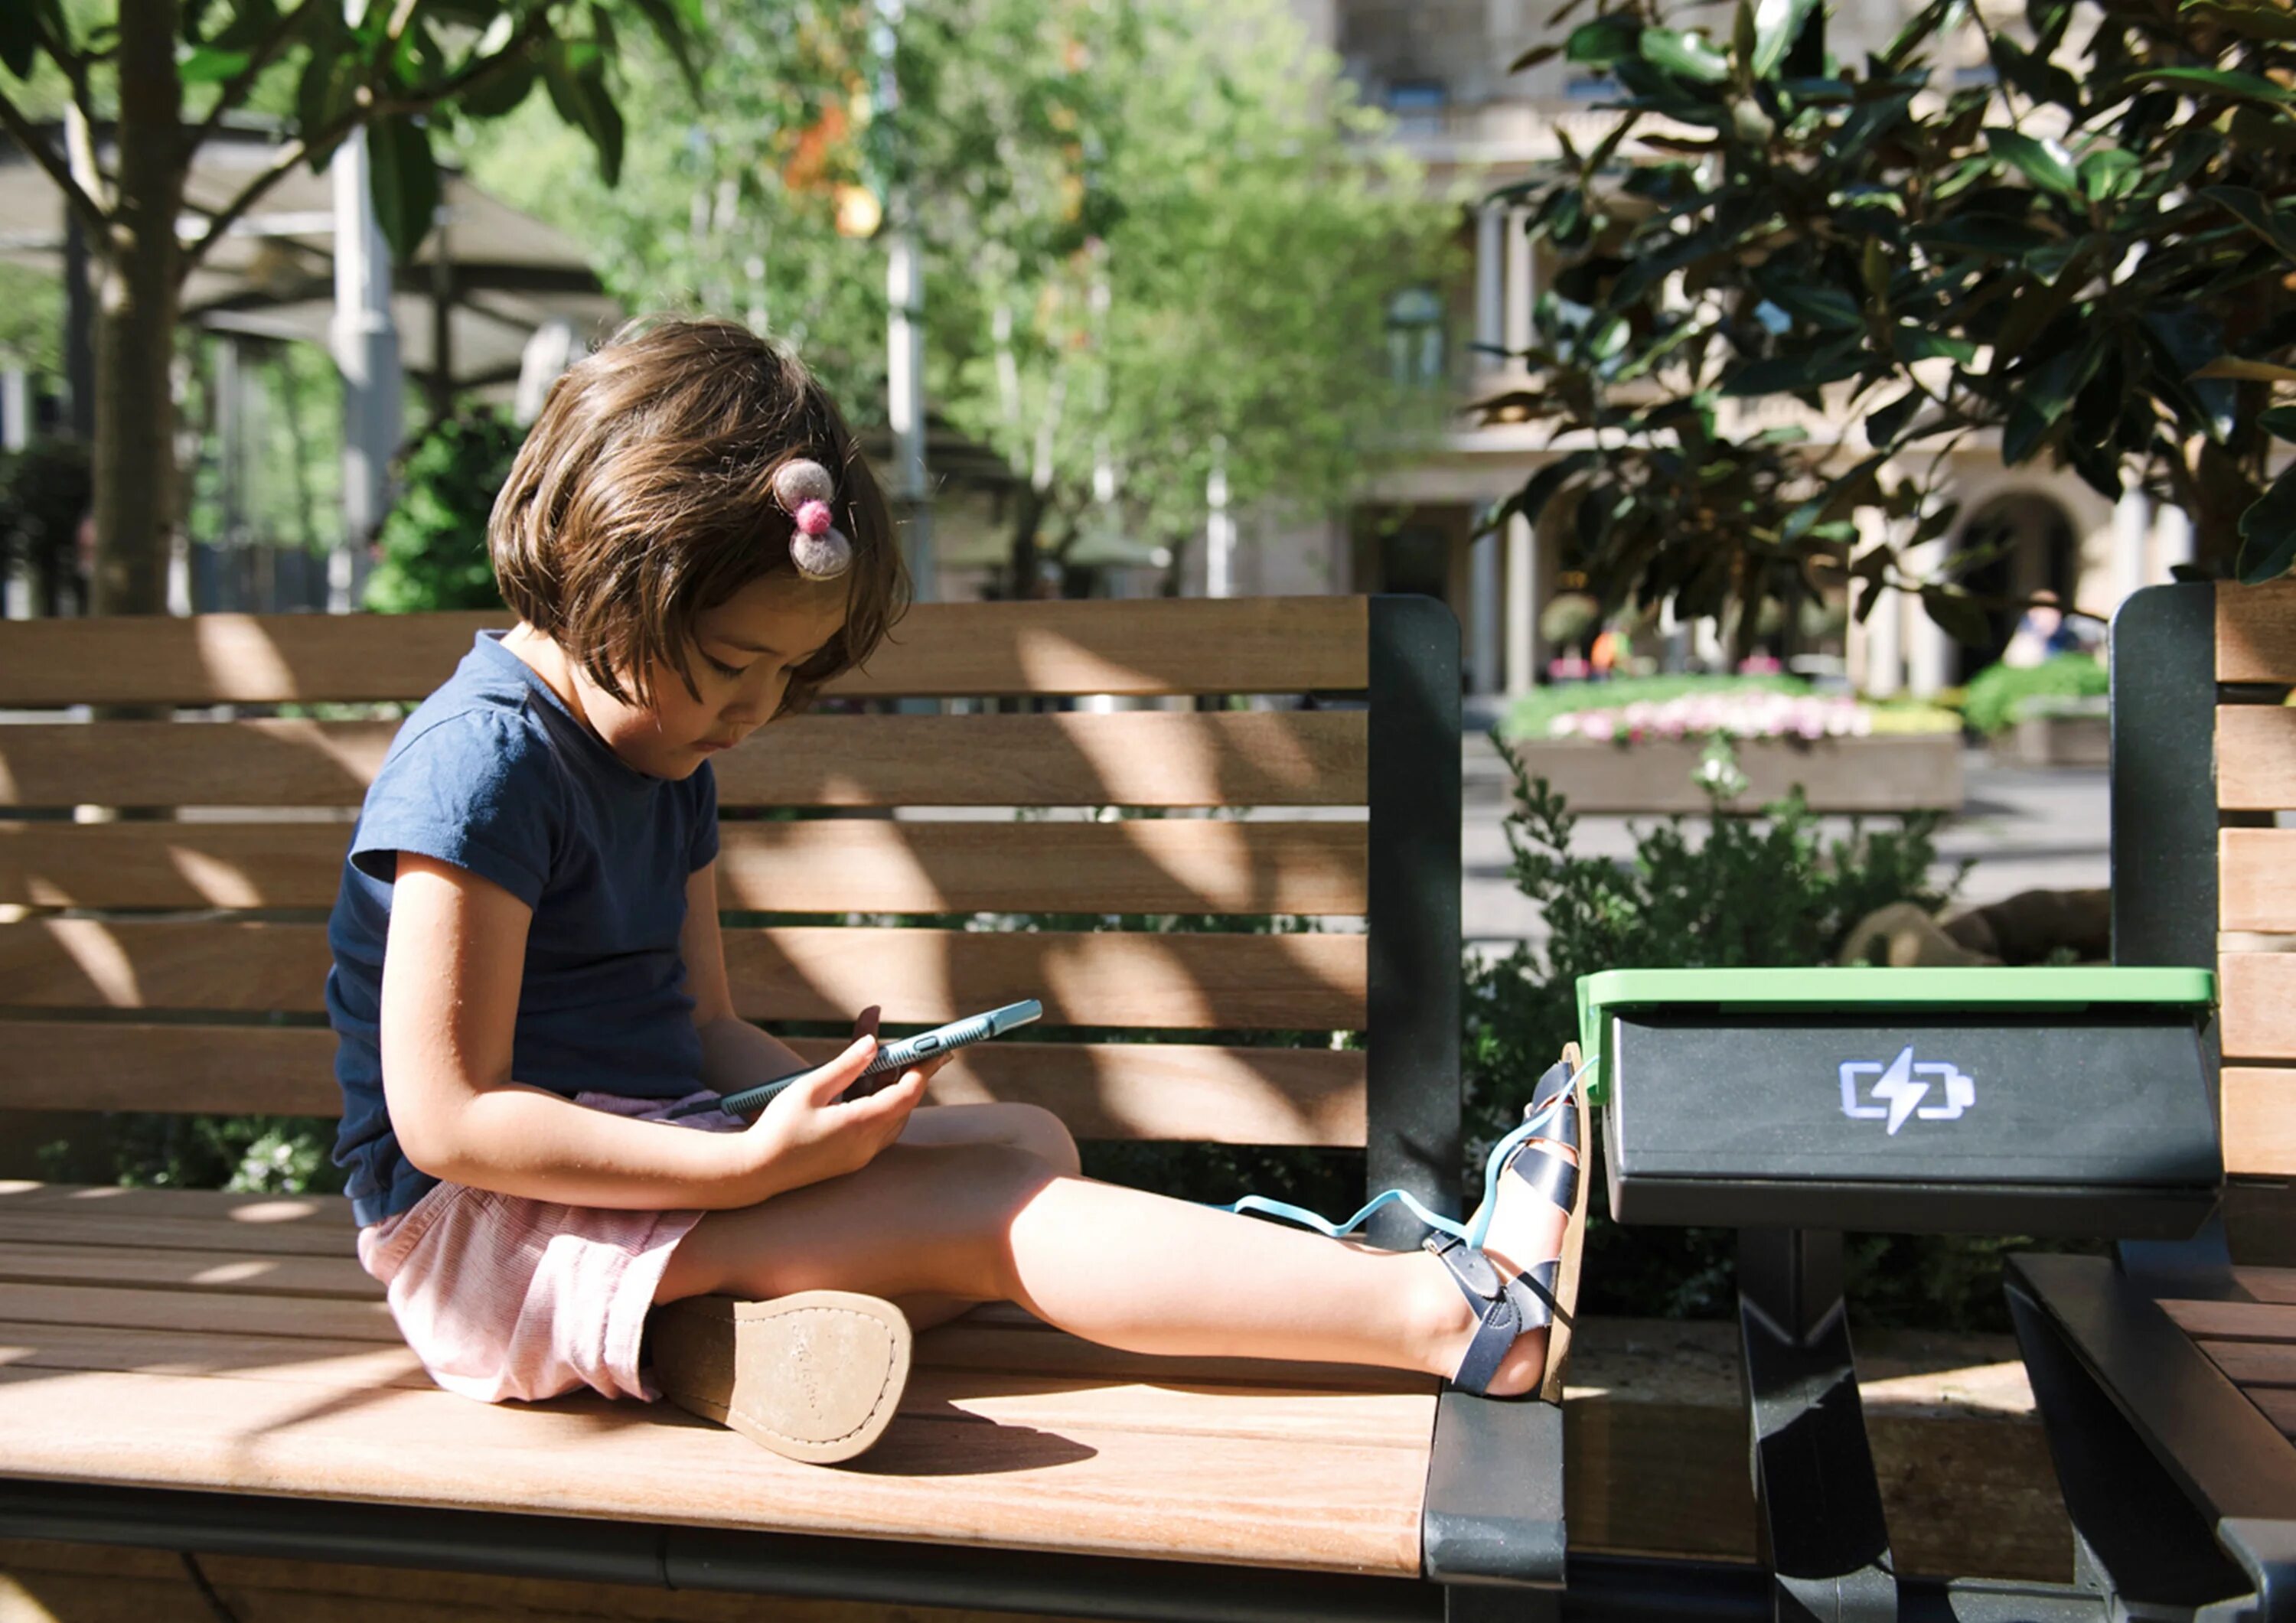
pixel 816 546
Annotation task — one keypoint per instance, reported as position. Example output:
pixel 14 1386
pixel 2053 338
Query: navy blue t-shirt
pixel 495 775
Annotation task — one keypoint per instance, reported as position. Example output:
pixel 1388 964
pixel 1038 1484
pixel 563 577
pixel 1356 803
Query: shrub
pixel 434 545
pixel 1763 891
pixel 1999 693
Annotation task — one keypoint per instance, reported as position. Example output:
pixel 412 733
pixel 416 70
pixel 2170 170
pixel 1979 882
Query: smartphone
pixel 892 1058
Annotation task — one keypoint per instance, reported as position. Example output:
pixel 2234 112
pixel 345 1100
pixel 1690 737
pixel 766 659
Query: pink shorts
pixel 504 1297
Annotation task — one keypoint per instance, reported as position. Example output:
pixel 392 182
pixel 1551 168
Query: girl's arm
pixel 734 1053
pixel 452 967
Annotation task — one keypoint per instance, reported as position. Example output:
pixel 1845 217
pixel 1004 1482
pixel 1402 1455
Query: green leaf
pixel 1911 343
pixel 1689 55
pixel 2109 173
pixel 202 65
pixel 322 96
pixel 2251 210
pixel 2280 423
pixel 670 23
pixel 1958 615
pixel 1984 234
pixel 500 92
pixel 1831 308
pixel 1542 487
pixel 1884 423
pixel 1533 57
pixel 1602 41
pixel 1777 24
pixel 575 71
pixel 405 183
pixel 2042 162
pixel 2251 21
pixel 2240 371
pixel 2222 81
pixel 20 39
pixel 2267 533
pixel 1787 374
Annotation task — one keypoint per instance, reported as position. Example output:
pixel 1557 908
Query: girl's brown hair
pixel 642 499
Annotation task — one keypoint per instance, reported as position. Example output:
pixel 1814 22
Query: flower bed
pixel 1625 748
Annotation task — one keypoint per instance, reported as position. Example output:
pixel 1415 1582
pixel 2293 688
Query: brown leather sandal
pixel 813 1376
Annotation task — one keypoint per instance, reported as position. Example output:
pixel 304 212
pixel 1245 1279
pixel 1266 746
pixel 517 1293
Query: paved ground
pixel 2025 829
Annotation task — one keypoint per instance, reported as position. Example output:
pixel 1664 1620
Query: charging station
pixel 1794 1103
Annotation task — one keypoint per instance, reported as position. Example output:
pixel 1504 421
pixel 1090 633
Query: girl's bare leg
pixel 1022 1126
pixel 988 1222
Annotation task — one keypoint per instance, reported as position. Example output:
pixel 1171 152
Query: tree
pixel 171 72
pixel 2087 258
pixel 1149 226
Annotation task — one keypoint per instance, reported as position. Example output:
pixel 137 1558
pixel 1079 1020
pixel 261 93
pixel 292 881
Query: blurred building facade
pixel 1440 68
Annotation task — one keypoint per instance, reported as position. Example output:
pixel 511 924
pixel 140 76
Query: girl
pixel 529 977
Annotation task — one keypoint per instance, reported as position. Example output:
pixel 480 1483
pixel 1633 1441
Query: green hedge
pixel 1997 694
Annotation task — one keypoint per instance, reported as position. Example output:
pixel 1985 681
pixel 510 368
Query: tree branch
pixel 422 100
pixel 13 121
pixel 234 90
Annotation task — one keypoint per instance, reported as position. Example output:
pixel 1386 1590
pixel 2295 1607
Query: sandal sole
pixel 814 1376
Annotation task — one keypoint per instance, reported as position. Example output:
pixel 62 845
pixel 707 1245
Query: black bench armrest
pixel 2183 1491
pixel 1494 1509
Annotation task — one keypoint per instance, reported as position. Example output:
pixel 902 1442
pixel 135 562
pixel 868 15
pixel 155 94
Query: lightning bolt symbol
pixel 1898 1087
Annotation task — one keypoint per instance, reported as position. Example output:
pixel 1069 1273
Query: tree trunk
pixel 140 296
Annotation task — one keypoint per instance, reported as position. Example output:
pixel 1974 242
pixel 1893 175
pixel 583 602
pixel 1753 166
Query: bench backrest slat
pixel 1231 645
pixel 1145 757
pixel 176 962
pixel 2205 754
pixel 832 865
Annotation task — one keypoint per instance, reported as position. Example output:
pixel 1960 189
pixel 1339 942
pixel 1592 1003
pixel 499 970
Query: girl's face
pixel 743 653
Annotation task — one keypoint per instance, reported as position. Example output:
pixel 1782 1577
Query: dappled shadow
pixel 185 944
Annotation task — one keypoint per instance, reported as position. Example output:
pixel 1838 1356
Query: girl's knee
pixel 1046 1137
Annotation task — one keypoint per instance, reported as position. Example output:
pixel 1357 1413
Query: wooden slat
pixel 1111 978
pixel 2256 757
pixel 1175 1400
pixel 2256 879
pixel 2206 1321
pixel 2260 1121
pixel 2279 1407
pixel 91 1227
pixel 1147 758
pixel 2258 996
pixel 219 1312
pixel 1167 1091
pixel 832 866
pixel 1195 645
pixel 257 1212
pixel 2266 1284
pixel 2255 633
pixel 1169 1495
pixel 2248 1364
pixel 157 1269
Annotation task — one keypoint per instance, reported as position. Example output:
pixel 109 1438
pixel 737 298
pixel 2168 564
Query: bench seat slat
pixel 1290 1503
pixel 1202 645
pixel 832 865
pixel 1176 1402
pixel 1074 758
pixel 2258 1005
pixel 1157 1091
pixel 1178 982
pixel 337 1278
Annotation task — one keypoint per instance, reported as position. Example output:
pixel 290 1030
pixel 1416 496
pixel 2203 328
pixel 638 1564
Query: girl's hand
pixel 805 1135
pixel 865 1024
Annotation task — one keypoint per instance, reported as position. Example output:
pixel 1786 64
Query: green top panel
pixel 1836 991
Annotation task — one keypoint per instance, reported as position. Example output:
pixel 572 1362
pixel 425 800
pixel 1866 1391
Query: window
pixel 1414 337
pixel 1418 104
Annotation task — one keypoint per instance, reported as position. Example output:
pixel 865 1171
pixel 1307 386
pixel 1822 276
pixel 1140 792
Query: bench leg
pixel 1813 1482
pixel 2138 1538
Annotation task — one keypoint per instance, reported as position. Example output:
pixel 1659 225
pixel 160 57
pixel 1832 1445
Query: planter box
pixel 1894 773
pixel 2056 741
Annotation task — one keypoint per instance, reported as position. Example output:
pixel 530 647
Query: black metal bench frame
pixel 2182 1493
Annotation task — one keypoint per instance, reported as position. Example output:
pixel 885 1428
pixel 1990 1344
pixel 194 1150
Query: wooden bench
pixel 194 1370
pixel 2166 1377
